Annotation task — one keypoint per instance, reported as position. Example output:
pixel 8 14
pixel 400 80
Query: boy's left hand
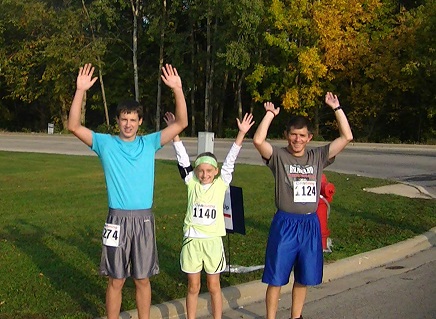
pixel 246 123
pixel 170 77
pixel 331 100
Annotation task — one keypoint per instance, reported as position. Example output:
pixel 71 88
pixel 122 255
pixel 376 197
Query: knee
pixel 214 287
pixel 142 283
pixel 116 284
pixel 194 288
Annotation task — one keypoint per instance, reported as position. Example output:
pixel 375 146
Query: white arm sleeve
pixel 229 163
pixel 181 154
pixel 182 157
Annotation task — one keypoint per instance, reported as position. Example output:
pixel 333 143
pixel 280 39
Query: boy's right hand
pixel 84 79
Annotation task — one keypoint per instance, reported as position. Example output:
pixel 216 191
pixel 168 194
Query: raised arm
pixel 243 126
pixel 183 163
pixel 171 78
pixel 83 83
pixel 345 134
pixel 259 139
pixel 229 163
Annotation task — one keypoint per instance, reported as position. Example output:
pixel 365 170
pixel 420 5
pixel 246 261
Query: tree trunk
pixel 161 58
pixel 208 69
pixel 194 85
pixel 100 68
pixel 221 106
pixel 83 111
pixel 64 109
pixel 135 12
pixel 103 92
pixel 239 94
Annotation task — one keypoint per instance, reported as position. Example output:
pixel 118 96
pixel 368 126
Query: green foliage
pixel 230 133
pixel 378 56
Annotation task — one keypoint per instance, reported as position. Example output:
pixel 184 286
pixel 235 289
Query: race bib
pixel 203 214
pixel 111 235
pixel 304 191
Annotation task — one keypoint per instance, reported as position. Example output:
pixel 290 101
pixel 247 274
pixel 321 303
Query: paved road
pixel 403 289
pixel 406 163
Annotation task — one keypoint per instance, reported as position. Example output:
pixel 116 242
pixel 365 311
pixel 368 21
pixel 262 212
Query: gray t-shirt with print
pixel 298 179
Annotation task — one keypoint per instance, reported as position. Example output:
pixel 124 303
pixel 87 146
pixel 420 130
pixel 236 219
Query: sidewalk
pixel 241 296
pixel 251 293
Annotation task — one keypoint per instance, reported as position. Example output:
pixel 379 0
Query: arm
pixel 173 81
pixel 345 134
pixel 84 82
pixel 259 139
pixel 229 163
pixel 182 156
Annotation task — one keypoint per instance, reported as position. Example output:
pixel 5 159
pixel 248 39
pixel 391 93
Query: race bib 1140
pixel 203 214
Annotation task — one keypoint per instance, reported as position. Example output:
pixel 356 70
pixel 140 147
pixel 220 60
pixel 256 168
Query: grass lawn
pixel 53 207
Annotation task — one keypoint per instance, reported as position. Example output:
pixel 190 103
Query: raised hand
pixel 85 79
pixel 170 77
pixel 331 100
pixel 269 107
pixel 246 123
pixel 169 118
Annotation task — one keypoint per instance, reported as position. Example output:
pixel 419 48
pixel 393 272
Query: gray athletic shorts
pixel 129 245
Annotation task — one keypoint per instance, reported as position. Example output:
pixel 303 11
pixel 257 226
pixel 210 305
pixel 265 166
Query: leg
pixel 143 297
pixel 194 283
pixel 298 296
pixel 113 297
pixel 272 301
pixel 214 287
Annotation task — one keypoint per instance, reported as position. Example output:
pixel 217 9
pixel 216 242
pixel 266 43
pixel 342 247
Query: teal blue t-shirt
pixel 128 169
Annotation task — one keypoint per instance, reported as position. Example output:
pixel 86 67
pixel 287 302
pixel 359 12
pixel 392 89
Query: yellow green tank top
pixel 204 216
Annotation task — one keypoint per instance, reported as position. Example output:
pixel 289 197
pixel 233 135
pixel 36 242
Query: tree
pixel 292 67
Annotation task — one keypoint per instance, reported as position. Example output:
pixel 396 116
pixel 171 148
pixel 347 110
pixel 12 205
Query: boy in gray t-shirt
pixel 294 240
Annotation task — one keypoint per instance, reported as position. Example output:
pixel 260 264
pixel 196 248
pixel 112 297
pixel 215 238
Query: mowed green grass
pixel 53 207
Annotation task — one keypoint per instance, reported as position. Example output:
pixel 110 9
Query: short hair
pixel 130 106
pixel 299 122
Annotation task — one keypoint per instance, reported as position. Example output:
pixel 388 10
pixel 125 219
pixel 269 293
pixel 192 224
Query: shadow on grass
pixel 63 276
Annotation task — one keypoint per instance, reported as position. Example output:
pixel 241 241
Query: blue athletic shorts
pixel 294 241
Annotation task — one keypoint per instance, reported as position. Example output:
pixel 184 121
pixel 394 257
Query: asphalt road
pixel 414 164
pixel 403 289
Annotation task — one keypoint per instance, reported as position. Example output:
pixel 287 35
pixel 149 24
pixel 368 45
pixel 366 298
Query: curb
pixel 421 190
pixel 251 292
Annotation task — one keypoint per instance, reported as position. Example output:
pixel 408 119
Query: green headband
pixel 206 160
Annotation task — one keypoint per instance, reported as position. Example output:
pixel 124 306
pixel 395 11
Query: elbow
pixel 185 124
pixel 348 138
pixel 71 127
pixel 182 122
pixel 257 141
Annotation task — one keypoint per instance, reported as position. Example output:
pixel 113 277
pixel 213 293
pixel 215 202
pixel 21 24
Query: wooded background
pixel 378 56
